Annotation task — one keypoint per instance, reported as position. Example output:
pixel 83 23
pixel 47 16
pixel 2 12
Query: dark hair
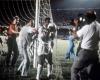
pixel 72 21
pixel 90 16
pixel 16 17
pixel 30 20
pixel 47 19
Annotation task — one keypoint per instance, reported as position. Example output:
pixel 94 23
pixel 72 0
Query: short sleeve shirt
pixel 90 35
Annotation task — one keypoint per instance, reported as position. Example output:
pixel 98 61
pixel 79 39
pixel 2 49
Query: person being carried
pixel 45 38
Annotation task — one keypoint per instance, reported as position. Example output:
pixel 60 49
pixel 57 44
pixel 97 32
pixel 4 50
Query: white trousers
pixel 25 64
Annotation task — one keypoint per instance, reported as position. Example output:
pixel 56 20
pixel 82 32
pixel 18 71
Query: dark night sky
pixel 25 9
pixel 68 9
pixel 64 4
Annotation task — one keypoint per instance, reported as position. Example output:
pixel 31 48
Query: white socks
pixel 39 70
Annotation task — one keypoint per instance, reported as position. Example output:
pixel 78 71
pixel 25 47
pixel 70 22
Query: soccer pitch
pixel 60 47
pixel 61 68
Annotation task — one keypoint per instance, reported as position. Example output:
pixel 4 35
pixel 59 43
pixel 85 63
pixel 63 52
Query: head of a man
pixel 47 21
pixel 90 16
pixel 51 27
pixel 15 20
pixel 30 22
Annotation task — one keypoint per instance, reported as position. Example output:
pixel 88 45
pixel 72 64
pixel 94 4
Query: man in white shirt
pixel 90 34
pixel 23 43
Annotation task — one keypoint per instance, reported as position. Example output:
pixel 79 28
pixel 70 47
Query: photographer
pixel 87 55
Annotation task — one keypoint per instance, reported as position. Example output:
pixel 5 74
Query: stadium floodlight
pixel 80 18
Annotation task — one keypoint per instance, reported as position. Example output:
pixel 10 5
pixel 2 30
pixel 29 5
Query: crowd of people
pixel 85 58
pixel 18 43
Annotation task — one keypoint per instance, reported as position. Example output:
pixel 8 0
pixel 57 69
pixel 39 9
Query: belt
pixel 89 49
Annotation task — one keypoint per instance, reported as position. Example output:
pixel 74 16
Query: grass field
pixel 60 48
pixel 61 68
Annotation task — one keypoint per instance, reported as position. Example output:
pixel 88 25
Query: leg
pixel 49 64
pixel 78 48
pixel 67 55
pixel 74 72
pixel 27 64
pixel 25 67
pixel 39 70
pixel 20 66
pixel 41 60
pixel 72 52
pixel 82 61
pixel 16 53
pixel 22 56
pixel 49 69
pixel 10 43
pixel 26 61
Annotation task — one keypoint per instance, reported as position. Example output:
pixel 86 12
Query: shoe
pixel 25 76
pixel 38 78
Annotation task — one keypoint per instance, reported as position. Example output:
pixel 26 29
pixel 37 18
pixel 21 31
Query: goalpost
pixel 42 10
